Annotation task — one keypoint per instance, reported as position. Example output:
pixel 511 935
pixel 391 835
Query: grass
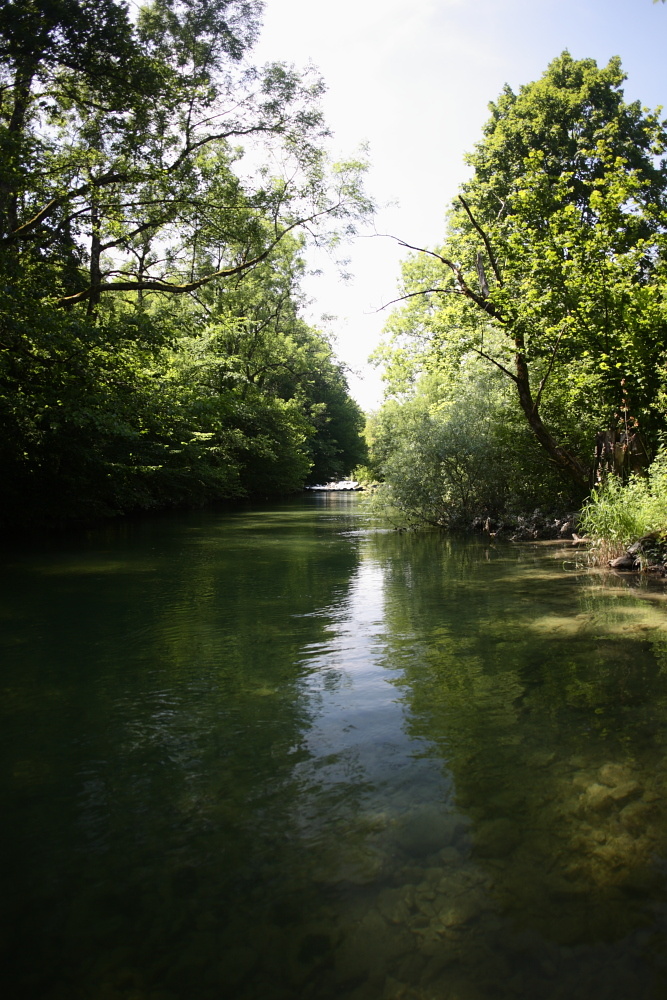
pixel 618 513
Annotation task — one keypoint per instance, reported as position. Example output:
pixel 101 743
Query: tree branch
pixel 26 229
pixel 484 304
pixel 485 238
pixel 493 361
pixel 157 285
pixel 424 291
pixel 548 372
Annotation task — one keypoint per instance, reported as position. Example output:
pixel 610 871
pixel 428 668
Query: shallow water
pixel 281 753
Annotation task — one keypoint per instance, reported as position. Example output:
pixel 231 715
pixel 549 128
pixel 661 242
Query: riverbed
pixel 284 752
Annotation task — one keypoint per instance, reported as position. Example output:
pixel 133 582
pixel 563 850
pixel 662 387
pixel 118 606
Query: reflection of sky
pixel 358 731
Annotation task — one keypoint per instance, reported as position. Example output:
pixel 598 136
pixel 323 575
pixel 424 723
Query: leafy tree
pixel 122 156
pixel 553 267
pixel 151 350
pixel 253 341
pixel 451 456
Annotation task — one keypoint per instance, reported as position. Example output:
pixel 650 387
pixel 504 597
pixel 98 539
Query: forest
pixel 156 196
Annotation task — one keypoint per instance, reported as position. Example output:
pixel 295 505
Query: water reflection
pixel 549 714
pixel 280 753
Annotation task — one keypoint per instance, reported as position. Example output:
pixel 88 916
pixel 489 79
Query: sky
pixel 413 79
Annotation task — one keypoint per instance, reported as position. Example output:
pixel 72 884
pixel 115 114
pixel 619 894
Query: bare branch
pixel 485 238
pixel 424 291
pixel 493 361
pixel 482 303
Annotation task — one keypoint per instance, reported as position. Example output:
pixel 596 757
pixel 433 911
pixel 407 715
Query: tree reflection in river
pixel 545 697
pixel 282 753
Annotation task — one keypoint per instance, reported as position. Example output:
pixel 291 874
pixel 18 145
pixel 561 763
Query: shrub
pixel 618 513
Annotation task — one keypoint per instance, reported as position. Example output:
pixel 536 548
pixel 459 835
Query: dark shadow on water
pixel 281 754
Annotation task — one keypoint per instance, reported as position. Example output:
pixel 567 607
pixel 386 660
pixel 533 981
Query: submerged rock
pixel 496 838
pixel 614 774
pixel 392 906
pixel 428 830
pixel 618 788
pixel 597 798
pixel 636 816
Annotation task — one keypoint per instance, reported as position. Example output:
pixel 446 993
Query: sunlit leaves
pixel 155 195
pixel 559 246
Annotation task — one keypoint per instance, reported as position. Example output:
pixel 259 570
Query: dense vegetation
pixel 156 193
pixel 527 359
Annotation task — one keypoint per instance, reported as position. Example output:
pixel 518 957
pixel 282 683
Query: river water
pixel 283 753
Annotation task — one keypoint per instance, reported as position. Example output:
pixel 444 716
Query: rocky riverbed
pixel 526 898
pixel 529 527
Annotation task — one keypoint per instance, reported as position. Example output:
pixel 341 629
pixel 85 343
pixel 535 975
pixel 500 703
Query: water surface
pixel 283 753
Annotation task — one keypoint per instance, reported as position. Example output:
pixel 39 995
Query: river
pixel 283 753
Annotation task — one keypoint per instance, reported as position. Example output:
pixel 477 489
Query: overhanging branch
pixel 493 361
pixel 482 303
pixel 172 288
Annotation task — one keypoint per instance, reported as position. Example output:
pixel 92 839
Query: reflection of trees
pixel 197 836
pixel 158 712
pixel 546 700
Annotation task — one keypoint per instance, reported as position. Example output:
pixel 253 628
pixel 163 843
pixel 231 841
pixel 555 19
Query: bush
pixel 449 462
pixel 617 513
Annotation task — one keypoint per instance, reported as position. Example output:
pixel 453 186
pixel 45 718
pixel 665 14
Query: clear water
pixel 281 753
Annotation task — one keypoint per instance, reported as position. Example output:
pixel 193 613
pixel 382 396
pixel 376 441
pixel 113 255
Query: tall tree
pixel 119 157
pixel 553 268
pixel 155 195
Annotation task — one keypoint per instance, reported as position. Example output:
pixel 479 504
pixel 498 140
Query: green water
pixel 281 753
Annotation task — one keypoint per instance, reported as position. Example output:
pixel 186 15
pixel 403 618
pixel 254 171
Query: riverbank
pixel 529 527
pixel 647 554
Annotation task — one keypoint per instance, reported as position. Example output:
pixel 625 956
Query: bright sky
pixel 413 78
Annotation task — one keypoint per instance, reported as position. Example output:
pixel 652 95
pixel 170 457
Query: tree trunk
pixel 562 458
pixel 95 255
pixel 8 194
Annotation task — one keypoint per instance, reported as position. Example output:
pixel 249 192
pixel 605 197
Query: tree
pixel 118 158
pixel 553 267
pixel 156 193
pixel 253 339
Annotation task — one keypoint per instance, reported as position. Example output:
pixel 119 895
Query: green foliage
pixel 124 164
pixel 552 270
pixel 451 455
pixel 551 275
pixel 140 409
pixel 619 513
pixel 151 350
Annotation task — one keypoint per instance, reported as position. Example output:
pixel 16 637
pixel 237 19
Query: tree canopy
pixel 552 271
pixel 156 193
